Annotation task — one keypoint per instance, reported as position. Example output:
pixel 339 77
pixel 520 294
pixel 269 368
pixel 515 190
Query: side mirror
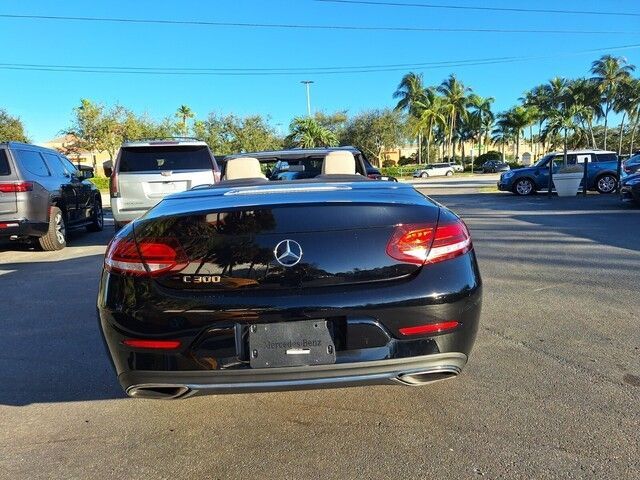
pixel 108 168
pixel 84 172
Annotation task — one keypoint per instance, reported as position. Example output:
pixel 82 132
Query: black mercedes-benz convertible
pixel 250 285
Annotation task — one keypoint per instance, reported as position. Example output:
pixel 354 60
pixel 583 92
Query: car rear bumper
pixel 365 323
pixel 407 371
pixel 21 228
pixel 121 215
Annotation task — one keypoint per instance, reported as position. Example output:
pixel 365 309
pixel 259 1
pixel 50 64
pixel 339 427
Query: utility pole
pixel 307 83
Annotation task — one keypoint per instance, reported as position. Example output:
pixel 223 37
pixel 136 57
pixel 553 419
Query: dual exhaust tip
pixel 170 392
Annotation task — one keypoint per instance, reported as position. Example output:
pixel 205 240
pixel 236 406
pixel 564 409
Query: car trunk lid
pixel 285 246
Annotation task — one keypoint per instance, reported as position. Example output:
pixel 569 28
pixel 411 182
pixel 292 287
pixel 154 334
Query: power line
pixel 336 70
pixel 204 23
pixel 490 9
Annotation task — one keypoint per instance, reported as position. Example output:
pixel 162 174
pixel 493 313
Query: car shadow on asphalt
pixel 51 349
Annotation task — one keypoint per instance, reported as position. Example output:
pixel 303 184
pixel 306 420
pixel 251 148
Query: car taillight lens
pixel 15 187
pixel 145 258
pixel 420 244
pixel 113 185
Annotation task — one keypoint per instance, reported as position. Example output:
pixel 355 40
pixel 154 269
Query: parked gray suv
pixel 42 195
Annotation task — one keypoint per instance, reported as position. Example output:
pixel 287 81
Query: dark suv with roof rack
pixel 43 194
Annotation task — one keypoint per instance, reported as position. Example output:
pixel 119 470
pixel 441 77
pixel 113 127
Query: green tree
pixel 232 134
pixel 431 116
pixel 610 73
pixel 482 116
pixel 11 128
pixel 515 121
pixel 332 121
pixel 584 92
pixel 412 97
pixel 184 113
pixel 455 95
pixel 87 126
pixel 633 109
pixel 374 131
pixel 306 132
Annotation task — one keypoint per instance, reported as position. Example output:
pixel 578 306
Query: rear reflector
pixel 424 243
pixel 15 187
pixel 145 258
pixel 9 224
pixel 430 328
pixel 153 344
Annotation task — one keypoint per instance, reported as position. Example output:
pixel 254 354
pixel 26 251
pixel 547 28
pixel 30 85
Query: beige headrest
pixel 243 167
pixel 339 162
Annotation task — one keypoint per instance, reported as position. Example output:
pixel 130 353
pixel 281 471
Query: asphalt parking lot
pixel 552 389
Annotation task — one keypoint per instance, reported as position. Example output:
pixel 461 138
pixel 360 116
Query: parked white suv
pixel 145 172
pixel 434 170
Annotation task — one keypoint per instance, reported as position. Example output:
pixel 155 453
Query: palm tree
pixel 610 73
pixel 412 97
pixel 633 106
pixel 501 134
pixel 516 120
pixel 483 116
pixel 306 132
pixel 538 99
pixel 431 116
pixel 455 95
pixel 184 113
pixel 585 92
pixel 563 120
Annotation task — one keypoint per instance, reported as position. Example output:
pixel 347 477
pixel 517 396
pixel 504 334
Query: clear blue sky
pixel 44 100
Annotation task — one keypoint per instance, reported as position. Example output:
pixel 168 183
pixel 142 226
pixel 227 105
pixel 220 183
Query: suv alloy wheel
pixel 56 236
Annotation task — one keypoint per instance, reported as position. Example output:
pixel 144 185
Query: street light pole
pixel 307 83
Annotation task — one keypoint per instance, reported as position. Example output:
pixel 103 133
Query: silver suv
pixel 43 195
pixel 146 171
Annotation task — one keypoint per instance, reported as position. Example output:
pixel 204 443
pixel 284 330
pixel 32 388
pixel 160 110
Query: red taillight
pixel 451 240
pixel 419 244
pixel 113 185
pixel 430 328
pixel 15 187
pixel 148 257
pixel 153 344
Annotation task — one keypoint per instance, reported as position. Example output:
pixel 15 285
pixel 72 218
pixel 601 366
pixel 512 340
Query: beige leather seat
pixel 242 168
pixel 339 162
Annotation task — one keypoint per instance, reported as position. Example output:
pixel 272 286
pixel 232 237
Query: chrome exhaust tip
pixel 158 392
pixel 427 376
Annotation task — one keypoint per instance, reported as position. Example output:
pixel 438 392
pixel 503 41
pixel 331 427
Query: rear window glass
pixel 4 163
pixel 33 163
pixel 152 159
pixel 607 157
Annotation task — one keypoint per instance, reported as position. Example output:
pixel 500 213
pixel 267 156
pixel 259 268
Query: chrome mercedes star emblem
pixel 288 253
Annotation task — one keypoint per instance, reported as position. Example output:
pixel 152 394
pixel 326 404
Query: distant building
pixel 67 145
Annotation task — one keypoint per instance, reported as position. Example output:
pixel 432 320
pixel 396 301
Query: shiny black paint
pixel 366 297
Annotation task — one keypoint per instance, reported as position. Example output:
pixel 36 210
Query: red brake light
pixel 430 328
pixel 113 184
pixel 451 240
pixel 410 243
pixel 419 244
pixel 154 344
pixel 146 258
pixel 14 187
